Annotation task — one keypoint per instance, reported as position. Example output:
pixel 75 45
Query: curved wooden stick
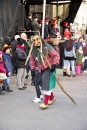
pixel 57 79
pixel 29 54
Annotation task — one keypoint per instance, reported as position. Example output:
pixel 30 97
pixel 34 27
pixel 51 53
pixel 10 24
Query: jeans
pixel 85 64
pixel 67 64
pixel 7 82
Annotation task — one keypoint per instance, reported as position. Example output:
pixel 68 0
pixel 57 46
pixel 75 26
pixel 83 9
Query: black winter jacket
pixel 20 58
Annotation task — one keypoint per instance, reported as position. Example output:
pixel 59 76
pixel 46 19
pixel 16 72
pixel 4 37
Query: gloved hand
pixel 53 68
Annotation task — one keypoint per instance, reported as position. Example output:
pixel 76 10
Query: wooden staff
pixel 29 54
pixel 57 78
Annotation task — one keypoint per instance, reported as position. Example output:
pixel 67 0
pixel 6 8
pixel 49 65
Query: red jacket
pixel 67 34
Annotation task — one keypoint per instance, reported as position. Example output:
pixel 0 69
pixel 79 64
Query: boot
pixel 64 74
pixel 51 99
pixel 44 105
pixel 3 88
pixel 9 90
pixel 1 93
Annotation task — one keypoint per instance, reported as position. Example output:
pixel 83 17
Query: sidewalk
pixel 18 112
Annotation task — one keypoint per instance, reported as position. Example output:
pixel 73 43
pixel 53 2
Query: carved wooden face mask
pixel 36 40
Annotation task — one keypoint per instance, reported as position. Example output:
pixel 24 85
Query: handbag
pixel 3 76
pixel 83 59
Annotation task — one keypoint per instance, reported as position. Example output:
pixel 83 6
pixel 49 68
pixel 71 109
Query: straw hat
pixel 5 47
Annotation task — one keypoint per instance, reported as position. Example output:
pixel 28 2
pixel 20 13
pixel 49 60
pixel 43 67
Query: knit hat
pixel 5 47
pixel 16 37
pixel 65 23
pixel 46 19
pixel 54 21
pixel 20 41
pixel 0 52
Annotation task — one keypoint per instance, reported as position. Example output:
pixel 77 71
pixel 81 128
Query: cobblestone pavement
pixel 18 112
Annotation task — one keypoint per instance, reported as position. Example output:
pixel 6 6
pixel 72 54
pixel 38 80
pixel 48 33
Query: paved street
pixel 18 112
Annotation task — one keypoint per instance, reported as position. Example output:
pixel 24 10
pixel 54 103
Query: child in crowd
pixel 79 59
pixel 8 66
pixel 2 73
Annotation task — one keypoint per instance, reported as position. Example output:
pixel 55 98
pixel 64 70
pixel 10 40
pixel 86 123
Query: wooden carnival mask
pixel 36 40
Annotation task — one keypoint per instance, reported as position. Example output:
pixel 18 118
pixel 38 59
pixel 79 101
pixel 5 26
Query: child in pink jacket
pixel 2 70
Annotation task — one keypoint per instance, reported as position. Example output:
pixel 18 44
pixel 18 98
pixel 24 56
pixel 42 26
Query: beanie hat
pixel 46 19
pixel 20 41
pixel 54 21
pixel 65 23
pixel 16 37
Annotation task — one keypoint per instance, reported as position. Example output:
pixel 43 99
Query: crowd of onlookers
pixel 72 51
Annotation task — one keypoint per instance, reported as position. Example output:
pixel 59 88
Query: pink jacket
pixel 2 69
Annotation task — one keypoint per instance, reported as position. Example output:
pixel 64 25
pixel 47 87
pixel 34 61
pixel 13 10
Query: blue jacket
pixel 7 63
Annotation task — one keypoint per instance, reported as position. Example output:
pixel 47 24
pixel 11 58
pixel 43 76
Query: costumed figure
pixel 47 78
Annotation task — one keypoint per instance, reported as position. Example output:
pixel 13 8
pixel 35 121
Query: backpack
pixel 69 53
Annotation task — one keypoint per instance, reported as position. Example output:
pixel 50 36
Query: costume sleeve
pixel 54 57
pixel 33 62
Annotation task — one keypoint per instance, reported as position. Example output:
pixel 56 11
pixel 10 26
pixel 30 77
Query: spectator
pixel 35 26
pixel 67 33
pixel 8 66
pixel 70 57
pixel 54 30
pixel 20 63
pixel 79 57
pixel 29 25
pixel 13 48
pixel 85 56
pixel 2 70
pixel 26 49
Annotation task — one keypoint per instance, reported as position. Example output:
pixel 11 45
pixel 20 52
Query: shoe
pixel 9 90
pixel 26 76
pixel 21 88
pixel 32 84
pixel 37 100
pixel 43 106
pixel 1 93
pixel 41 97
pixel 85 71
pixel 74 76
pixel 24 87
pixel 51 101
pixel 68 75
pixel 65 74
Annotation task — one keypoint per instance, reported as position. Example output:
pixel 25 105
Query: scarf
pixel 21 47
